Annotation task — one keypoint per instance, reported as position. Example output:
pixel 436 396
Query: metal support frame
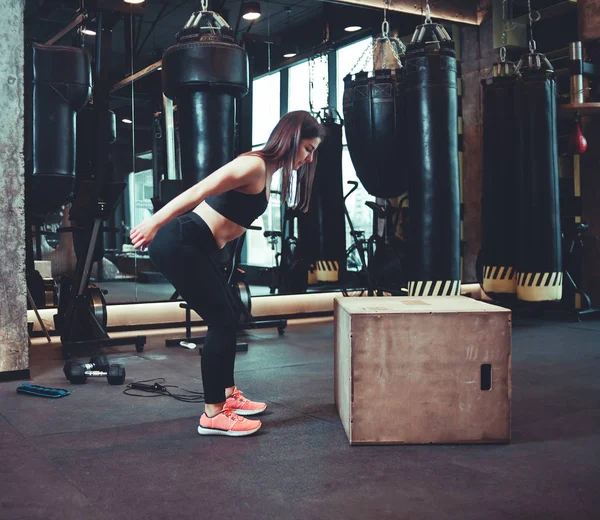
pixel 170 137
pixel 77 21
pixel 280 324
pixel 134 77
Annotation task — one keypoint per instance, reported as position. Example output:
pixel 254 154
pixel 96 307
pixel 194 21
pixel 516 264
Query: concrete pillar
pixel 477 58
pixel 14 350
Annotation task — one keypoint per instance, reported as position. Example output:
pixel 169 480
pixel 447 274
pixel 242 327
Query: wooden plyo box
pixel 420 370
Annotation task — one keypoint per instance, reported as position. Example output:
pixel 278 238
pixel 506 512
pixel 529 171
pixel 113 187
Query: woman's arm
pixel 240 172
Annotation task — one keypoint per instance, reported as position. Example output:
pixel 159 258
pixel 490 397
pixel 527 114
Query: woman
pixel 183 235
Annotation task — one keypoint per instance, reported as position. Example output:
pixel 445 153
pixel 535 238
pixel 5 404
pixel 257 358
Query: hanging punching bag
pixel 205 72
pixel 499 201
pixel 432 122
pixel 87 124
pixel 321 231
pixel 62 85
pixel 87 133
pixel 539 259
pixel 375 129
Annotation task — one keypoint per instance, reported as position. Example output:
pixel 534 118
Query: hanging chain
pixel 326 78
pixel 427 13
pixel 205 5
pixel 269 42
pixel 311 83
pixel 312 62
pixel 368 50
pixel 385 37
pixel 503 47
pixel 385 26
pixel 534 16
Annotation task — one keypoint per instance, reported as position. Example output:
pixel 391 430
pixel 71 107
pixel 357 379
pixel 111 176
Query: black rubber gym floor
pixel 100 454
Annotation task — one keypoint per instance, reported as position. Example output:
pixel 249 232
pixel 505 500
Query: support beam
pixel 14 348
pixel 463 11
pixel 77 21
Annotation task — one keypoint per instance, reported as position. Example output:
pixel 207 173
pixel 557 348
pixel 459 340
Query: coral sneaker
pixel 227 423
pixel 242 406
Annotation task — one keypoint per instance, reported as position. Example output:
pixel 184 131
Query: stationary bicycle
pixel 378 260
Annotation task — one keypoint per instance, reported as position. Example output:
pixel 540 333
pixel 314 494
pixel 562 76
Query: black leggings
pixel 183 251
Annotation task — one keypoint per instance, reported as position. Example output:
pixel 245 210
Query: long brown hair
pixel 281 148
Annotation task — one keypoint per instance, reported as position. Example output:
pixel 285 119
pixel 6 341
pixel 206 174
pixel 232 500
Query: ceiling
pixel 303 21
pixel 307 24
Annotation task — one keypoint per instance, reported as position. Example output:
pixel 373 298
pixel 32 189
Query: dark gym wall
pixel 14 351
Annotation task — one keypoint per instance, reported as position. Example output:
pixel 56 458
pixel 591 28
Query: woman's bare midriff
pixel 223 229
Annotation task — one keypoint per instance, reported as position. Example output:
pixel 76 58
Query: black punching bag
pixel 375 130
pixel 205 72
pixel 62 85
pixel 321 231
pixel 87 134
pixel 539 260
pixel 499 201
pixel 434 192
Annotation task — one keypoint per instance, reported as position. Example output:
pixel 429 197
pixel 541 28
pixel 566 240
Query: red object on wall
pixel 577 141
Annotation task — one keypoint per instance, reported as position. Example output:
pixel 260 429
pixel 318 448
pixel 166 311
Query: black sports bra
pixel 241 208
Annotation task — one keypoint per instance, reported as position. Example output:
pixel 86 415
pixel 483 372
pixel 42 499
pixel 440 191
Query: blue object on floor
pixel 42 391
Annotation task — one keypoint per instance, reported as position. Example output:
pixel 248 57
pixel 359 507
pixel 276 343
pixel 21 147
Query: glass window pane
pixel 258 249
pixel 140 190
pixel 300 92
pixel 265 107
pixel 298 87
pixel 360 214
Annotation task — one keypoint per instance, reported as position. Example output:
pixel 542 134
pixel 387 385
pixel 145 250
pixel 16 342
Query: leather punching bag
pixel 375 130
pixel 62 85
pixel 205 72
pixel 539 259
pixel 499 196
pixel 87 133
pixel 432 122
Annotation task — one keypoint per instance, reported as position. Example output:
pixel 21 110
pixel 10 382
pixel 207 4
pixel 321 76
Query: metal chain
pixel 385 26
pixel 311 74
pixel 532 19
pixel 503 47
pixel 368 50
pixel 385 37
pixel 326 78
pixel 205 5
pixel 427 13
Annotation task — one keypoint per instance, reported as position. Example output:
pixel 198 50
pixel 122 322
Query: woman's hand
pixel 142 234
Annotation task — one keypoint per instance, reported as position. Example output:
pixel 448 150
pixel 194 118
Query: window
pixel 265 115
pixel 353 58
pixel 141 191
pixel 300 92
pixel 265 107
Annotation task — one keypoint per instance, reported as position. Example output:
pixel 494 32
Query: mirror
pixel 329 43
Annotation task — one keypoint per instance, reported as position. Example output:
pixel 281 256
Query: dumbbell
pixel 96 363
pixel 77 373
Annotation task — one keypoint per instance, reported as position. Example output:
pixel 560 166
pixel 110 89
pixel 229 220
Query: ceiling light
pixel 289 54
pixel 128 121
pixel 353 28
pixel 251 10
pixel 89 32
pixel 134 1
pixel 159 68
